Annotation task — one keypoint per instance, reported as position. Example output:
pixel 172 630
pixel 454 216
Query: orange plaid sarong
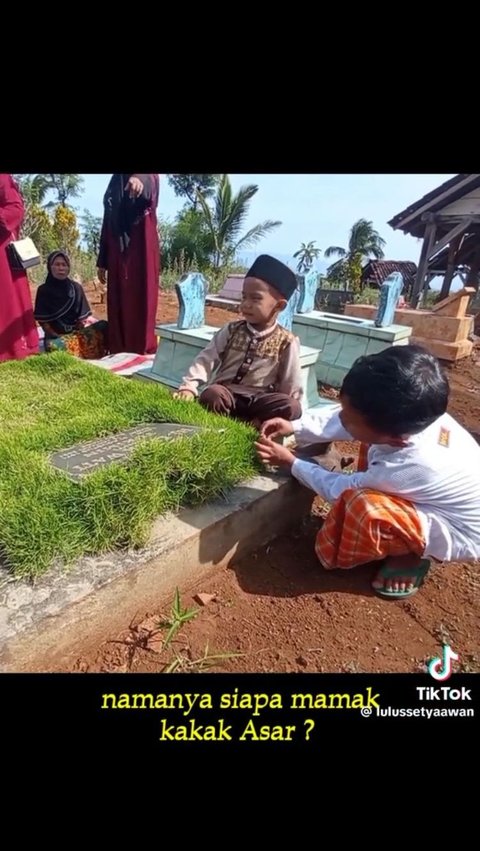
pixel 366 525
pixel 89 342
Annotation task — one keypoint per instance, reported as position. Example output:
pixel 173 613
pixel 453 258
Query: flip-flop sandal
pixel 417 575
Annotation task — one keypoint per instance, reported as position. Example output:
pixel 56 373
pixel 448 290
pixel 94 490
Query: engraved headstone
pixel 191 298
pixel 390 292
pixel 285 317
pixel 83 458
pixel 307 287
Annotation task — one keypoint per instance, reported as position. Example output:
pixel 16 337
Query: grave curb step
pixel 47 626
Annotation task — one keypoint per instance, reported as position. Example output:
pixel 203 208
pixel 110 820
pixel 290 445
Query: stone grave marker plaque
pixel 83 458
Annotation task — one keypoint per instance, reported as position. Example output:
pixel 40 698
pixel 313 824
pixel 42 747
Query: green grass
pixel 50 402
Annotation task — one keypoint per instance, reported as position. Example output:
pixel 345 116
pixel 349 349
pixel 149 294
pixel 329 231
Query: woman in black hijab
pixel 62 310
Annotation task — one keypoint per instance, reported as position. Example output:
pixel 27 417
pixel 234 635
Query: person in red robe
pixel 129 261
pixel 18 330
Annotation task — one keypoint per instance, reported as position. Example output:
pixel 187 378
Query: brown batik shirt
pixel 249 361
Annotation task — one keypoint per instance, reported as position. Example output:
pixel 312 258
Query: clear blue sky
pixel 319 207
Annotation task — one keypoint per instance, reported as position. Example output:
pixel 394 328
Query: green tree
pixel 91 226
pixel 65 186
pixel 65 229
pixel 165 230
pixel 364 241
pixel 188 240
pixel 32 187
pixel 306 255
pixel 225 221
pixel 188 185
pixel 36 221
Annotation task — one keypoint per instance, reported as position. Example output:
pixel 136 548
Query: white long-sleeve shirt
pixel 438 470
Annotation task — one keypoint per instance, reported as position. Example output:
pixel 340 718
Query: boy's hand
pixel 276 428
pixel 272 453
pixel 187 395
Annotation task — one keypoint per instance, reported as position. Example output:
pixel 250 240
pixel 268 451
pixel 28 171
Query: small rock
pixel 300 660
pixel 204 599
pixel 148 625
pixel 155 643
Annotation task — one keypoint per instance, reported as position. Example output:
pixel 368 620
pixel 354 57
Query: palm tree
pixel 364 241
pixel 226 218
pixel 306 255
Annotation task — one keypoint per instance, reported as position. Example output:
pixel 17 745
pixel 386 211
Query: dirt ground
pixel 278 611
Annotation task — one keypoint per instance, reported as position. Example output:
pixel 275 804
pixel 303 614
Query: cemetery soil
pixel 281 612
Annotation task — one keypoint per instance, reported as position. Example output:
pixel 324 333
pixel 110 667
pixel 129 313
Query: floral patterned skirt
pixel 89 343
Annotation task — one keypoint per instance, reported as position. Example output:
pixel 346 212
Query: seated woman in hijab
pixel 62 310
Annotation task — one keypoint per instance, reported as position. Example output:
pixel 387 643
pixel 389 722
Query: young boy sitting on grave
pixel 418 494
pixel 254 362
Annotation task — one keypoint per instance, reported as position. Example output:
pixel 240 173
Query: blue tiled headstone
pixel 285 318
pixel 191 300
pixel 390 292
pixel 307 287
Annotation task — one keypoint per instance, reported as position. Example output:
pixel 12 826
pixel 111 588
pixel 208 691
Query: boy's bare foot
pixel 400 576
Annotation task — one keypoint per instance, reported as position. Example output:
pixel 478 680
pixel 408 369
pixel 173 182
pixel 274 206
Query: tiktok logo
pixel 440 668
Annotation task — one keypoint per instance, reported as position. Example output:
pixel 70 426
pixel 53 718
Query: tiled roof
pixel 375 272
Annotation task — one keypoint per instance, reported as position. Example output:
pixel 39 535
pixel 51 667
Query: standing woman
pixel 18 331
pixel 129 261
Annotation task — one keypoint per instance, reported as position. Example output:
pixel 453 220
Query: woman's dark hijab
pixel 61 301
